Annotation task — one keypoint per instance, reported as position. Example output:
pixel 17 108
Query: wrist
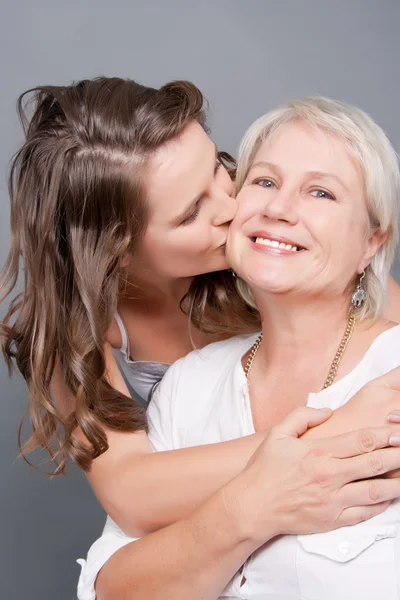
pixel 241 507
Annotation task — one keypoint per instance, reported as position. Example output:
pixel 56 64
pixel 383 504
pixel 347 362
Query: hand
pixel 368 408
pixel 299 486
pixel 374 404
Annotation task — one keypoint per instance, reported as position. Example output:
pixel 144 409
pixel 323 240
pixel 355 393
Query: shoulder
pixel 212 361
pixel 382 356
pixel 384 352
pixel 230 348
pixel 114 336
pixel 191 388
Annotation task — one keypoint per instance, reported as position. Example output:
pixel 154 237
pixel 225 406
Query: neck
pixel 295 331
pixel 155 289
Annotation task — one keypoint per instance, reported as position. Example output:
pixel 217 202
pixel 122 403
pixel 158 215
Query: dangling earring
pixel 360 295
pixel 233 273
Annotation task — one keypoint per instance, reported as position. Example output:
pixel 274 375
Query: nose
pixel 225 207
pixel 281 206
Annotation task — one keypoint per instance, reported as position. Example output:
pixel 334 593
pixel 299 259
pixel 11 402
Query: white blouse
pixel 203 399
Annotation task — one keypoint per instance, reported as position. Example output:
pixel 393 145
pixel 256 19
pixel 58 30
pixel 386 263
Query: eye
pixel 323 194
pixel 192 217
pixel 266 183
pixel 218 165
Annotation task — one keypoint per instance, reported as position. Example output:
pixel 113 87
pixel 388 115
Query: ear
pixel 376 240
pixel 125 260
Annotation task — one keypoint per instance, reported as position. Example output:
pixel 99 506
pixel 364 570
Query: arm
pixel 392 312
pixel 193 558
pixel 368 408
pixel 289 486
pixel 143 491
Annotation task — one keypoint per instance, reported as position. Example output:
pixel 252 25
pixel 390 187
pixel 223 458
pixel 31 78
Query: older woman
pixel 312 244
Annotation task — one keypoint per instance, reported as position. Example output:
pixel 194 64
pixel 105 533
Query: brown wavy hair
pixel 77 206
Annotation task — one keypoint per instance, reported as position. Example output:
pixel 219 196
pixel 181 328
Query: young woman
pixel 120 209
pixel 312 242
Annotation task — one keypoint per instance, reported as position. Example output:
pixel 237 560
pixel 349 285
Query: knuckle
pixel 353 516
pixel 361 515
pixel 366 440
pixel 324 503
pixel 375 492
pixel 331 512
pixel 327 521
pixel 323 476
pixel 317 451
pixel 376 464
pixel 301 411
pixel 373 511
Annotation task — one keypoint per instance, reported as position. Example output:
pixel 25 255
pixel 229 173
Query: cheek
pixel 238 227
pixel 250 202
pixel 352 236
pixel 153 249
pixel 343 246
pixel 342 231
pixel 243 196
pixel 233 244
pixel 159 246
pixel 192 243
pixel 227 184
pixel 242 214
pixel 193 247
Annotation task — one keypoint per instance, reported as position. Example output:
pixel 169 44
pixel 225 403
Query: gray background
pixel 246 57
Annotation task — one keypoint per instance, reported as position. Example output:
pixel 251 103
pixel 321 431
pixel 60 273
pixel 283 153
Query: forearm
pixel 283 489
pixel 157 489
pixel 144 491
pixel 360 412
pixel 194 558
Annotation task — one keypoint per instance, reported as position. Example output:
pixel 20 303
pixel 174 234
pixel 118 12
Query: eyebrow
pixel 310 174
pixel 193 203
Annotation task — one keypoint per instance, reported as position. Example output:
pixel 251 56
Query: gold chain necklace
pixel 335 363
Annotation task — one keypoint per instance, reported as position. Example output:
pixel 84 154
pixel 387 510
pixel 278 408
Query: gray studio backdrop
pixel 246 56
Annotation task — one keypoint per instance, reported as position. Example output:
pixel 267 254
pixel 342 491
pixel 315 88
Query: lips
pixel 276 242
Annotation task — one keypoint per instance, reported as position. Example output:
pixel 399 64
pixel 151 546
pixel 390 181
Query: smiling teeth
pixel 275 244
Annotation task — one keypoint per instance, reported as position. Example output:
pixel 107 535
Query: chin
pixel 221 263
pixel 218 266
pixel 268 285
pixel 213 268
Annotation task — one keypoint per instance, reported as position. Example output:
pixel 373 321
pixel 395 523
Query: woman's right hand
pixel 302 486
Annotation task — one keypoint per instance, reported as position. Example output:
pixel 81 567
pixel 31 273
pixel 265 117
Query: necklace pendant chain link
pixel 337 358
pixel 340 351
pixel 252 355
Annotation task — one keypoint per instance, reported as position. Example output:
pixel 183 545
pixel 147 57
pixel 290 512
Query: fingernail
pixel 394 439
pixel 393 418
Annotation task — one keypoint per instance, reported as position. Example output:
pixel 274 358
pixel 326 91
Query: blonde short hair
pixel 379 164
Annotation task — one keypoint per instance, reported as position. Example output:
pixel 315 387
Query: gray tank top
pixel 141 376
